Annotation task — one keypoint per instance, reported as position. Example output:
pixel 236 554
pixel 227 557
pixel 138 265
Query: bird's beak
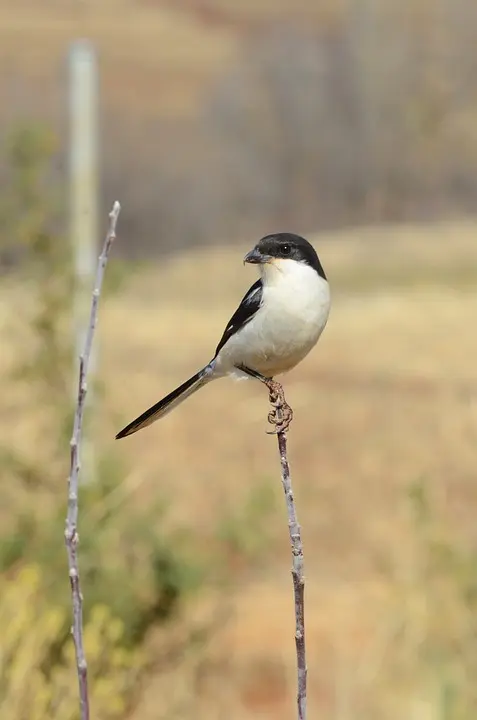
pixel 255 257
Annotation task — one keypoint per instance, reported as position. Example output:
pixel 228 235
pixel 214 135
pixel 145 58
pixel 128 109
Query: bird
pixel 277 323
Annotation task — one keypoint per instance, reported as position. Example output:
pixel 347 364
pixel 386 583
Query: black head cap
pixel 287 246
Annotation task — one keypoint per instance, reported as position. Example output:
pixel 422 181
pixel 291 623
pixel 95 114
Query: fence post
pixel 84 189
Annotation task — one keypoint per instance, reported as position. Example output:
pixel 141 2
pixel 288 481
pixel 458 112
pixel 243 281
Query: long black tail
pixel 166 404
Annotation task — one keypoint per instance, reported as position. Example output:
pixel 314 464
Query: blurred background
pixel 353 122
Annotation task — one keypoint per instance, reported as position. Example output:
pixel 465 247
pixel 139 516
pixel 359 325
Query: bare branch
pixel 281 417
pixel 71 533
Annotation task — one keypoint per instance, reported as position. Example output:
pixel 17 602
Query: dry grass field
pixel 385 401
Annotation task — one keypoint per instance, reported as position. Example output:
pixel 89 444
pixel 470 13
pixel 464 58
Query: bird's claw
pixel 281 414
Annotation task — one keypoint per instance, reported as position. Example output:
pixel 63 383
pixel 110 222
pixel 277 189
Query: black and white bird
pixel 275 326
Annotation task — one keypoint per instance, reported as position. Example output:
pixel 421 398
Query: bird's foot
pixel 281 414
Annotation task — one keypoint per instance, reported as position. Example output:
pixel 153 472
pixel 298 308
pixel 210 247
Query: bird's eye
pixel 286 249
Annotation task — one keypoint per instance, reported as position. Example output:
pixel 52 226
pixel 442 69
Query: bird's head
pixel 282 247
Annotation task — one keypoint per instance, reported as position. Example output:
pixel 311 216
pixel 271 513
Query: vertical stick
pixel 281 416
pixel 71 529
pixel 298 575
pixel 83 105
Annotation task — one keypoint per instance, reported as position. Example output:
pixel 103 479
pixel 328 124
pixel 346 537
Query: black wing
pixel 244 313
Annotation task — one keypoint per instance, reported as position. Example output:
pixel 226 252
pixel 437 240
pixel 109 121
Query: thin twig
pixel 71 533
pixel 278 402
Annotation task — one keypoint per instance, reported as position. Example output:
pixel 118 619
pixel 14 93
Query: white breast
pixel 294 312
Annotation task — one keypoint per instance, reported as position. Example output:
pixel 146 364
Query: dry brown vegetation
pixel 386 400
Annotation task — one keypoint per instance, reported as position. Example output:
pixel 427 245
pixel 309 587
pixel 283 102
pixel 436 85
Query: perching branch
pixel 71 533
pixel 281 416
